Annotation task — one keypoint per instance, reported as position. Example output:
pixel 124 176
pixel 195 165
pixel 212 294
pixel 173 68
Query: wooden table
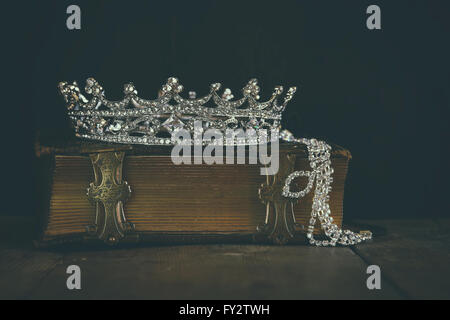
pixel 413 255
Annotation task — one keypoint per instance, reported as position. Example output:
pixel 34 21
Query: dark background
pixel 383 94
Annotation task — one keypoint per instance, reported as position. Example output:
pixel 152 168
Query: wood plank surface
pixel 413 256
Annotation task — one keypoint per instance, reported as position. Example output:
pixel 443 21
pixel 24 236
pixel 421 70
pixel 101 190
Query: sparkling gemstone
pixel 278 90
pixel 227 95
pixel 287 136
pixel 173 123
pixel 215 86
pixel 115 127
pixel 253 123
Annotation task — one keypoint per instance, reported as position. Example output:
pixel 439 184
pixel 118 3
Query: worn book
pixel 108 193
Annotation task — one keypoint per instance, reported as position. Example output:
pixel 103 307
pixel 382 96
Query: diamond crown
pixel 151 122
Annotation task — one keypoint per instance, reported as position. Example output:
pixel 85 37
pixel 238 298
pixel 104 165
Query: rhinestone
pixel 173 123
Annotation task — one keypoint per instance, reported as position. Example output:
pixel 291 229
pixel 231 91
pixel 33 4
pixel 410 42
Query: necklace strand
pixel 319 155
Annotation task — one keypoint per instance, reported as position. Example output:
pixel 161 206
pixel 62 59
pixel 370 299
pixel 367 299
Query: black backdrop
pixel 383 94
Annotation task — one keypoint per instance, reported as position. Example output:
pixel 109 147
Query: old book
pixel 171 203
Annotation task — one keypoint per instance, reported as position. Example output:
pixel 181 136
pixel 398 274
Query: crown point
pixel 252 89
pixel 166 88
pixel 179 88
pixel 129 89
pixel 216 86
pixel 290 93
pixel 227 95
pixel 92 87
pixel 172 81
pixel 278 90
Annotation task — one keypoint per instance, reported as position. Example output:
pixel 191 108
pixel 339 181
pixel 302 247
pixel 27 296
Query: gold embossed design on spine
pixel 279 226
pixel 108 193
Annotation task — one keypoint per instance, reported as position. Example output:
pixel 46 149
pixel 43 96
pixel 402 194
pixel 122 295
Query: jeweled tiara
pixel 151 122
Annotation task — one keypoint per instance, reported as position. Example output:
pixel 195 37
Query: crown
pixel 134 120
